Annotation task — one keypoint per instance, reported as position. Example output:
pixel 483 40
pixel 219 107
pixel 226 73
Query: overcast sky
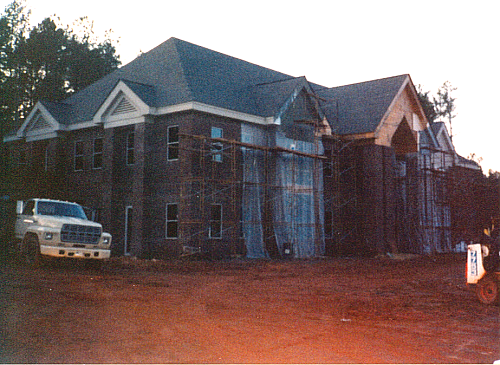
pixel 332 43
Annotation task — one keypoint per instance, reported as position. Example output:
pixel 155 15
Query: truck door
pixel 25 219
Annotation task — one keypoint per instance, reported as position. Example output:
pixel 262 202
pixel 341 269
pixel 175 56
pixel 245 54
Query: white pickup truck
pixel 53 228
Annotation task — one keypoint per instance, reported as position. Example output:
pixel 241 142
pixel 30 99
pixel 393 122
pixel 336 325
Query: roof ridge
pixel 369 81
pixel 175 42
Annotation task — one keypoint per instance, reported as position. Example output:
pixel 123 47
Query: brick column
pixel 107 182
pixel 138 246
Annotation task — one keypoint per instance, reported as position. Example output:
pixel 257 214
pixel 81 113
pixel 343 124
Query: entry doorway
pixel 128 230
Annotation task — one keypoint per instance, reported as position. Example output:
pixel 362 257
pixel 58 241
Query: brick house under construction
pixel 188 150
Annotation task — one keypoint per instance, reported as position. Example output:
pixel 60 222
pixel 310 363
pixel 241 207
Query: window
pixel 29 208
pixel 79 156
pixel 216 146
pixel 172 228
pixel 215 229
pixel 130 148
pixel 97 153
pixel 173 143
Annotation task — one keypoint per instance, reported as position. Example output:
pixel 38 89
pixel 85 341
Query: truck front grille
pixel 74 233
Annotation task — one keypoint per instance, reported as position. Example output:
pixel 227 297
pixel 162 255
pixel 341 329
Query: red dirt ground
pixel 378 310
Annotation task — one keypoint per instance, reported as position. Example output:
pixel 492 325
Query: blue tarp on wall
pixel 295 191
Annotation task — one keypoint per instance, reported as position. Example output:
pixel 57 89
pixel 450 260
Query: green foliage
pixel 427 104
pixel 46 62
pixel 442 106
pixel 12 29
pixel 445 103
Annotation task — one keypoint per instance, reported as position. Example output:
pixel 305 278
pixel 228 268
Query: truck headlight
pixel 106 240
pixel 49 235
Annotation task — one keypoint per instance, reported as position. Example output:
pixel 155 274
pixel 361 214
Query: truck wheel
pixel 30 251
pixel 487 289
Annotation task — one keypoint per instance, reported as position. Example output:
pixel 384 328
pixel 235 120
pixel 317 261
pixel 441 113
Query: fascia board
pixel 423 118
pixel 48 117
pixel 11 138
pixel 302 84
pixel 391 107
pixel 407 83
pixel 210 109
pixel 189 106
pixel 443 131
pixel 124 122
pixel 288 102
pixel 81 125
pixel 352 137
pixel 137 102
pixel 44 134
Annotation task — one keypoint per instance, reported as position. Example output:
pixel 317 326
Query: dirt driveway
pixel 312 311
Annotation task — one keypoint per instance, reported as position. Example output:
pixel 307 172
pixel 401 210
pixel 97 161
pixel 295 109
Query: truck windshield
pixel 60 209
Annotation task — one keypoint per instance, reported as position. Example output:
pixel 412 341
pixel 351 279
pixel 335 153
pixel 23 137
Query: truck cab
pixel 54 228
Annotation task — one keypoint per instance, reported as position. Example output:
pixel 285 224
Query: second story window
pixel 173 143
pixel 79 156
pixel 216 146
pixel 97 153
pixel 130 148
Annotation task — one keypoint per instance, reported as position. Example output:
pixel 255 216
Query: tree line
pixel 47 61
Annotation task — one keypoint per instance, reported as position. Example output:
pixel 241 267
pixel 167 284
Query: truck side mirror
pixel 19 207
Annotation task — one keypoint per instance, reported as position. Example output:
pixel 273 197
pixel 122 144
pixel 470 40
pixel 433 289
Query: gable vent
pixel 39 123
pixel 124 107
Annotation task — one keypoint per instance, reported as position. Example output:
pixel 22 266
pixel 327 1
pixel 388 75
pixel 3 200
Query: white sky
pixel 331 42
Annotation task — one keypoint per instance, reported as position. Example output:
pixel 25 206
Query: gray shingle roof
pixel 359 108
pixel 61 112
pixel 177 72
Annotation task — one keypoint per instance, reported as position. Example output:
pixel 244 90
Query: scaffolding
pixel 342 210
pixel 271 194
pixel 435 216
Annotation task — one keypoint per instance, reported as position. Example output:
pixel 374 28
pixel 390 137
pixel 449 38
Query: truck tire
pixel 30 251
pixel 487 289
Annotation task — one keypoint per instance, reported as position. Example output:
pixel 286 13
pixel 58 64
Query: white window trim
pixel 169 144
pixel 82 156
pixel 99 153
pixel 217 147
